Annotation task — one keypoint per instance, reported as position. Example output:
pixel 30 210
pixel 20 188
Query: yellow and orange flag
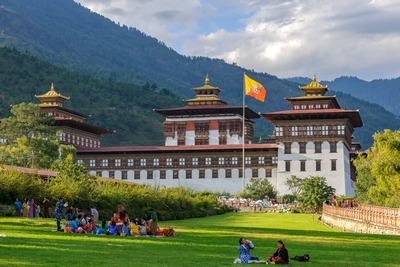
pixel 254 88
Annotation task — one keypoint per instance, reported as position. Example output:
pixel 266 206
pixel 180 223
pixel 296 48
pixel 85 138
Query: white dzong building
pixel 204 146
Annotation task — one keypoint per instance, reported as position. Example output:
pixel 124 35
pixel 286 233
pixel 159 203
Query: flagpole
pixel 243 136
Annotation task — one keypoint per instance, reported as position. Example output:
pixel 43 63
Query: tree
pixel 294 184
pixel 315 191
pixel 260 187
pixel 29 137
pixel 378 172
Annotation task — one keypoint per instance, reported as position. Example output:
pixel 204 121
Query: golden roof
pixel 314 85
pixel 52 94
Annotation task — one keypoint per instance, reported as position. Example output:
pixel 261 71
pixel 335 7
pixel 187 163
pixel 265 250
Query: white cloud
pixel 280 37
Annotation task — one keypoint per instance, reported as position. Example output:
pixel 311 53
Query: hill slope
pixel 65 33
pixel 126 109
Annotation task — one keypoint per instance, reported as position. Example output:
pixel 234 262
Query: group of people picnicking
pixel 31 208
pixel 76 221
pixel 280 256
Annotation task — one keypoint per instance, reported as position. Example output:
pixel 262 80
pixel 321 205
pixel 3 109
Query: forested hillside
pixel 124 108
pixel 66 34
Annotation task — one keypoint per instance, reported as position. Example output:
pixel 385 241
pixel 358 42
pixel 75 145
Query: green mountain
pixel 66 34
pixel 124 108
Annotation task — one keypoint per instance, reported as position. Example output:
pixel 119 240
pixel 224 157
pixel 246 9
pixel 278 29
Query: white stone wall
pixel 221 184
pixel 339 179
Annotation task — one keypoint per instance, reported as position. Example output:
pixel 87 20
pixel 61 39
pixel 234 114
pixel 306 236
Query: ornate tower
pixel 207 120
pixel 314 138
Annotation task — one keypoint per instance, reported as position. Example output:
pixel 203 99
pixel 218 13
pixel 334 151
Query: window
pixel 235 127
pixel 149 175
pixel 222 126
pixel 247 160
pixel 274 160
pixel 175 174
pixel 208 161
pixel 162 174
pixel 324 105
pixel 181 141
pixel 287 165
pixel 317 147
pixel 324 129
pixel 317 106
pixel 240 173
pixel 117 162
pixel 254 173
pixel 92 163
pixel 333 147
pixel 303 106
pixel 124 175
pixel 111 174
pixel 221 160
pixel 195 161
pixel 99 174
pixel 317 130
pixel 181 161
pixel 318 165
pixel 201 141
pixel 156 162
pixel 302 130
pixel 302 147
pixel 181 129
pixel 278 131
pixel 130 162
pixel 287 148
pixel 333 164
pixel 261 160
pixel 202 174
pixel 169 161
pixel 79 162
pixel 302 165
pixel 268 173
pixel 188 174
pixel 142 162
pixel 310 130
pixel 340 130
pixel 104 163
pixel 295 131
pixel 222 140
pixel 201 128
pixel 137 175
pixel 214 173
pixel 228 173
pixel 234 160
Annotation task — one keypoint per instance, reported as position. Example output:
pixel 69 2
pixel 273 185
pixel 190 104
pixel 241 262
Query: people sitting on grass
pixel 90 227
pixel 126 231
pixel 244 251
pixel 281 255
pixel 73 224
pixel 104 227
pixel 113 229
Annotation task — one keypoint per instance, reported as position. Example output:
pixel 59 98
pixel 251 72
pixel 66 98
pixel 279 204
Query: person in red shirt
pixel 281 255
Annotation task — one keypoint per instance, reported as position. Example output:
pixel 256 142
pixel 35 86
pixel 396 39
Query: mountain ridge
pixel 65 33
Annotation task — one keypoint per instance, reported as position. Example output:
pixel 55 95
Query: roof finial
pixel 207 81
pixel 52 87
pixel 314 78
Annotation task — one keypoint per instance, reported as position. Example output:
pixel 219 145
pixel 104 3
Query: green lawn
pixel 211 241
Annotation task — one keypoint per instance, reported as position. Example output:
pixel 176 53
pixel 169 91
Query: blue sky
pixel 285 38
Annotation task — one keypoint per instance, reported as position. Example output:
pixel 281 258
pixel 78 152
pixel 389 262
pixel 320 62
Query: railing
pixel 368 213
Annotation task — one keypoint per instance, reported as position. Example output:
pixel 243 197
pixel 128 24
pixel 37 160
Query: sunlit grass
pixel 210 241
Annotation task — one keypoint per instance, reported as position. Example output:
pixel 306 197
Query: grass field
pixel 211 241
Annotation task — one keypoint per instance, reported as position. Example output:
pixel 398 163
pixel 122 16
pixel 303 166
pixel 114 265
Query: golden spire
pixel 52 87
pixel 314 78
pixel 207 81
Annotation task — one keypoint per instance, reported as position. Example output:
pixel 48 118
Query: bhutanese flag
pixel 254 88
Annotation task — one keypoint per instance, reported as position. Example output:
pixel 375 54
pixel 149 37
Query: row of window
pixel 196 161
pixel 310 130
pixel 78 140
pixel 303 146
pixel 311 106
pixel 202 127
pixel 188 174
pixel 318 162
